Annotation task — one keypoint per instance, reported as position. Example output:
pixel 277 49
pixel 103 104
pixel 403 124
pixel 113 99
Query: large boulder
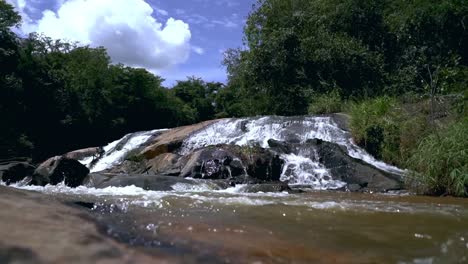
pixel 353 171
pixel 233 162
pixel 172 139
pixel 59 169
pixel 39 228
pixel 85 153
pixel 15 171
pixel 147 182
pixel 163 164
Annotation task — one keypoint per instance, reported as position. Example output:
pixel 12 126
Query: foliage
pixel 57 96
pixel 326 103
pixel 298 49
pixel 134 156
pixel 439 163
pixel 385 129
pixel 199 96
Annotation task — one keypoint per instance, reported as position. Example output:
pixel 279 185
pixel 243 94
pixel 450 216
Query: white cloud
pixel 162 12
pixel 125 27
pixel 198 50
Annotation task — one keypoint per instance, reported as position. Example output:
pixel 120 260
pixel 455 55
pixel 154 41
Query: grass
pixel 403 133
pixel 440 162
pixel 326 103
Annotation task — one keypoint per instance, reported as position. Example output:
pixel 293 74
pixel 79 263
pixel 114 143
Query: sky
pixel 171 38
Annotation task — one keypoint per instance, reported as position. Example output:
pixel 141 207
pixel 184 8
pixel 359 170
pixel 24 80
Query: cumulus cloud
pixel 125 27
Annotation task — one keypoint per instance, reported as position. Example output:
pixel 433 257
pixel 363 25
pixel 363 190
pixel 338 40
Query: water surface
pixel 195 224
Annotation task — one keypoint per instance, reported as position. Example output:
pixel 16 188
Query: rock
pixel 354 171
pixel 172 139
pixel 279 146
pixel 128 167
pixel 354 187
pixel 215 162
pixel 146 182
pixel 58 169
pixel 85 153
pixel 267 187
pixel 342 120
pixel 164 163
pixel 38 228
pixel 233 162
pixel 15 171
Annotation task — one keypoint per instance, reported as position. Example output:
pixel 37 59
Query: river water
pixel 202 225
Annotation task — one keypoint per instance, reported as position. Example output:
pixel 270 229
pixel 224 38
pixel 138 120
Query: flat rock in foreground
pixel 36 228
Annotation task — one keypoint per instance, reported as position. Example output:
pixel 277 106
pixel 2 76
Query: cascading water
pixel 299 169
pixel 115 152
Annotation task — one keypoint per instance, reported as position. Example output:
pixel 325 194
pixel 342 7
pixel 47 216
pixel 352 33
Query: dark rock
pixel 219 162
pixel 232 162
pixel 58 169
pixel 266 187
pixel 354 187
pixel 342 120
pixel 95 152
pixel 128 167
pixel 279 146
pixel 354 171
pixel 148 182
pixel 13 172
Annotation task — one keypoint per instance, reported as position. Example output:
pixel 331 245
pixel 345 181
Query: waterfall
pixel 302 168
pixel 298 169
pixel 115 152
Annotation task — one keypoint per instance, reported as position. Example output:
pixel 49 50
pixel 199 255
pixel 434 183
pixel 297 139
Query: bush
pixel 134 156
pixel 440 162
pixel 326 103
pixel 375 125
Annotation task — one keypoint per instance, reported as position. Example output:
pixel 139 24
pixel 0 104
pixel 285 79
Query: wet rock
pixel 354 171
pixel 232 162
pixel 15 171
pixel 172 139
pixel 164 163
pixel 146 182
pixel 85 153
pixel 128 167
pixel 267 187
pixel 59 169
pixel 342 120
pixel 216 162
pixel 280 146
pixel 38 228
pixel 354 187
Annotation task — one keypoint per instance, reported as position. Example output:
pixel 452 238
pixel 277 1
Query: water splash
pixel 299 169
pixel 115 152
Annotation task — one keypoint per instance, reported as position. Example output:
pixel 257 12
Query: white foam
pixel 299 170
pixel 113 155
pixel 249 131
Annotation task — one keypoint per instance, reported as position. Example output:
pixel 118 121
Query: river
pixel 196 224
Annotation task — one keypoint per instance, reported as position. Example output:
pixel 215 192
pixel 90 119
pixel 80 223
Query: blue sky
pixel 172 38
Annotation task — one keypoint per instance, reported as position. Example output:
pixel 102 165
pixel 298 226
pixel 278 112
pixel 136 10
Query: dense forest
pixel 398 67
pixel 57 96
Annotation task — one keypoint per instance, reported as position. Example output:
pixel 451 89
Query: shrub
pixel 134 156
pixel 375 125
pixel 326 103
pixel 440 162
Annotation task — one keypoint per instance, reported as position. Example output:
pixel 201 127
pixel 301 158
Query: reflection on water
pixel 319 227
